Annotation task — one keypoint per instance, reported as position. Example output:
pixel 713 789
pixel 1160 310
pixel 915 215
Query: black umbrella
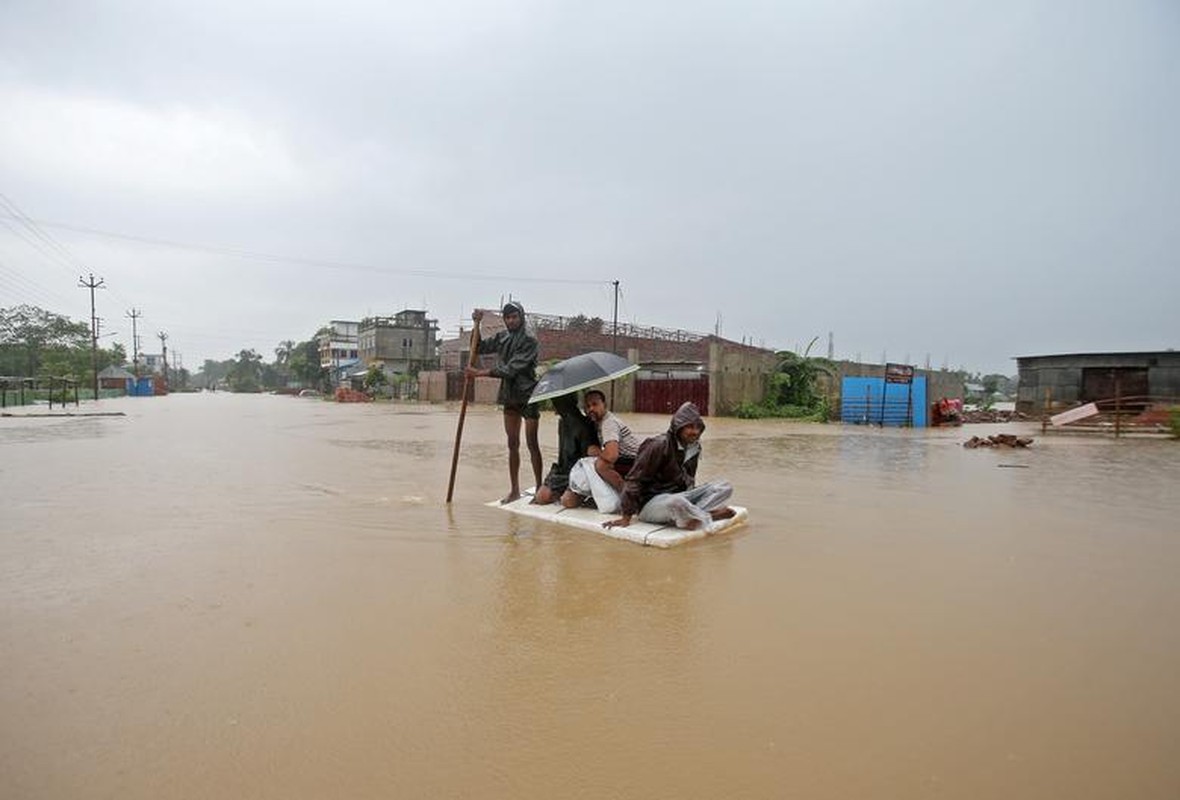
pixel 581 372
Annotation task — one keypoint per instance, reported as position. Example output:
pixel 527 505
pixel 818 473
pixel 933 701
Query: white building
pixel 338 344
pixel 151 362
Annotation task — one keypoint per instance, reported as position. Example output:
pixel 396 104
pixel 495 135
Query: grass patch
pixel 815 413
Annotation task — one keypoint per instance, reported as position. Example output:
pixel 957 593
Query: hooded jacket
pixel 517 365
pixel 663 465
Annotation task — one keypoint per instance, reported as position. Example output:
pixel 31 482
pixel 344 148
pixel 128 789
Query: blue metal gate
pixel 872 401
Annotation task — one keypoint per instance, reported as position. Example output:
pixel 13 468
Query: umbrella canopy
pixel 581 372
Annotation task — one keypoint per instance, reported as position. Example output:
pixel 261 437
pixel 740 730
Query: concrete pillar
pixel 716 379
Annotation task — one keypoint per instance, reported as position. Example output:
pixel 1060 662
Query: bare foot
pixel 722 513
pixel 511 497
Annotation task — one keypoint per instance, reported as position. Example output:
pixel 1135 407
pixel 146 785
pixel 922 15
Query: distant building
pixel 152 362
pixel 404 343
pixel 114 378
pixel 676 365
pixel 1064 380
pixel 338 343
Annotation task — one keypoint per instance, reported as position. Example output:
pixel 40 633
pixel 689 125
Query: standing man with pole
pixel 517 370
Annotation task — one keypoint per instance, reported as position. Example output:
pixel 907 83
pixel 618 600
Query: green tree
pixel 375 377
pixel 794 380
pixel 271 376
pixel 282 366
pixel 115 355
pixel 284 351
pixel 246 373
pixel 305 366
pixel 29 335
pixel 213 372
pixel 791 390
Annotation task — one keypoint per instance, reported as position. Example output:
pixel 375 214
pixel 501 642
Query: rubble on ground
pixel 990 415
pixel 998 440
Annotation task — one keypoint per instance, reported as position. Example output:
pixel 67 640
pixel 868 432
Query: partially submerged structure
pixel 717 374
pixel 1052 382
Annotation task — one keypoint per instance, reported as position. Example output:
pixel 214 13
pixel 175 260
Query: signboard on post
pixel 902 374
pixel 899 373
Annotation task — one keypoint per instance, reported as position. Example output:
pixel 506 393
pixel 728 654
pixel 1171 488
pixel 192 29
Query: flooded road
pixel 265 597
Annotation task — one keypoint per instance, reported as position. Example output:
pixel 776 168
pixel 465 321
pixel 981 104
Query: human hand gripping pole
pixel 474 354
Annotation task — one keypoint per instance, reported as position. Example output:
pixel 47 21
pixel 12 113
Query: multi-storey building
pixel 338 343
pixel 404 343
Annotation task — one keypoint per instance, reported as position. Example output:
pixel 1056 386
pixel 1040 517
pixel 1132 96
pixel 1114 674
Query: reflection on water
pixel 265 596
pixel 48 429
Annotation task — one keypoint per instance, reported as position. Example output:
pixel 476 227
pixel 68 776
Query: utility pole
pixel 92 285
pixel 164 343
pixel 135 314
pixel 614 339
pixel 614 344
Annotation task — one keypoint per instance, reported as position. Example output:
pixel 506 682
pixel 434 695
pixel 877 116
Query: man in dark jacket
pixel 661 486
pixel 575 438
pixel 517 371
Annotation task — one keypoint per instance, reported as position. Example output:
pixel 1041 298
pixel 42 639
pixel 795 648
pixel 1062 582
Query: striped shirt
pixel 612 429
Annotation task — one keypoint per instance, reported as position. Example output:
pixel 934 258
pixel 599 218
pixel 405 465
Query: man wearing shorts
pixel 517 370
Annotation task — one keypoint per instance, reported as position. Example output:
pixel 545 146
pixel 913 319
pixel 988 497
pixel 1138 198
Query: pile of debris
pixel 998 440
pixel 346 395
pixel 991 415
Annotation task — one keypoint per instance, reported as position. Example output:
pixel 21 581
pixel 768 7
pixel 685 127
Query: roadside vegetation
pixel 35 343
pixel 793 389
pixel 295 363
pixel 40 344
pixel 1174 421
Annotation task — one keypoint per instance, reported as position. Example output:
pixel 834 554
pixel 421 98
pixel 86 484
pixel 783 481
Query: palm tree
pixel 794 380
pixel 284 352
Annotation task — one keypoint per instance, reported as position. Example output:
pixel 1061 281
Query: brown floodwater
pixel 266 597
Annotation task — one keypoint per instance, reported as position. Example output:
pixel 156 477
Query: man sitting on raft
pixel 661 485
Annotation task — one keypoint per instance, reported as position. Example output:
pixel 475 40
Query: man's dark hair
pixel 598 392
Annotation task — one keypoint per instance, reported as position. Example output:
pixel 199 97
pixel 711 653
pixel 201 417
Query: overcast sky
pixel 959 181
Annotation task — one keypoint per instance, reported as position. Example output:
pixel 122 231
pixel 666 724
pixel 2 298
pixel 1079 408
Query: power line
pixel 322 263
pixel 20 284
pixel 47 254
pixel 56 252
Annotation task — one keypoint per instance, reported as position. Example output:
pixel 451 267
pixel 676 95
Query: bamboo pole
pixel 473 355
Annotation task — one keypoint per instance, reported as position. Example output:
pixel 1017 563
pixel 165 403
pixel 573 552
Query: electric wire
pixel 313 262
pixel 56 250
pixel 26 286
